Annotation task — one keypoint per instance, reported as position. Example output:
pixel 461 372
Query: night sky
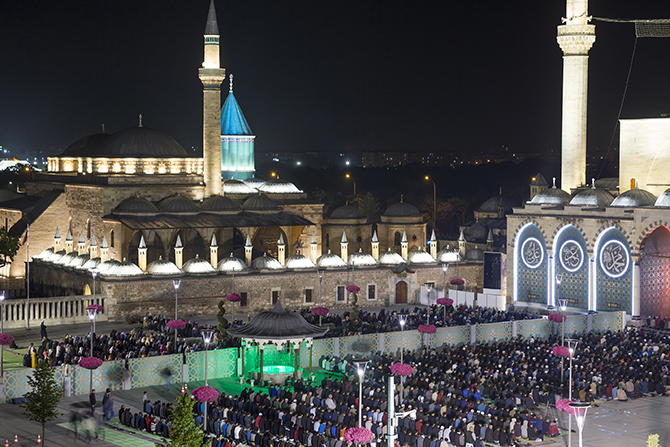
pixel 320 76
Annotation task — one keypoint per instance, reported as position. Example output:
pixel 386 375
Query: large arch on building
pixel 571 262
pixel 267 238
pixel 655 273
pixel 531 266
pixel 613 272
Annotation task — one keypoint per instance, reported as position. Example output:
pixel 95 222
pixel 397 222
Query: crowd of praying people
pixel 500 394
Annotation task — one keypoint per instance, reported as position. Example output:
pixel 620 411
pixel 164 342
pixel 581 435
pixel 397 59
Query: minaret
pixel 375 245
pixel 57 239
pixel 404 251
pixel 575 39
pixel 211 75
pixel 433 245
pixel 214 252
pixel 142 254
pixel 344 247
pixel 281 250
pixel 93 248
pixel 178 253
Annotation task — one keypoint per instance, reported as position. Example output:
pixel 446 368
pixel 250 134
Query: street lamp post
pixel 580 414
pixel 445 267
pixel 353 180
pixel 562 305
pixel 429 289
pixel 457 252
pixel 572 346
pixel 2 330
pixel 361 365
pixel 94 273
pixel 434 201
pixel 176 283
pixel 402 319
pixel 320 294
pixel 206 338
pixel 91 316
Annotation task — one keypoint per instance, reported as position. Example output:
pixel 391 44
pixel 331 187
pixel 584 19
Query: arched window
pixel 88 228
pixel 111 239
pixel 327 240
pixel 396 238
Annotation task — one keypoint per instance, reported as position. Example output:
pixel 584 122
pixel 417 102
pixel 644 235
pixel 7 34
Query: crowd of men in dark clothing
pixel 497 393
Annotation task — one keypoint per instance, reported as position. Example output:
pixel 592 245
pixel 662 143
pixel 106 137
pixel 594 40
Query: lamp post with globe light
pixel 176 283
pixel 572 346
pixel 91 311
pixel 445 267
pixel 361 365
pixel 94 273
pixel 580 414
pixel 402 319
pixel 562 305
pixel 206 338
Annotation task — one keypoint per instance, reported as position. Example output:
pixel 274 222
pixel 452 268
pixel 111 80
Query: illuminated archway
pixel 530 266
pixel 613 272
pixel 571 261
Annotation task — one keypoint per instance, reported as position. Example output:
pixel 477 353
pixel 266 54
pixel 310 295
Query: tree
pixel 183 432
pixel 9 246
pixel 368 205
pixel 43 397
pixel 223 323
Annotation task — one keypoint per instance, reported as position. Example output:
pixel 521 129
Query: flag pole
pixel 28 276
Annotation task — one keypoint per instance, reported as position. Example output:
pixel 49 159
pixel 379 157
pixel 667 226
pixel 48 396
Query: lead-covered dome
pixel 55 257
pixel 232 264
pixel 86 146
pixel 178 205
pixel 198 266
pixel 402 209
pixel 663 200
pixel 79 260
pixel 330 260
pixel 65 260
pixel 448 255
pixel 278 186
pixel 420 257
pixel 123 269
pixel 634 198
pixel 237 187
pixel 346 212
pixel 551 196
pixel 390 258
pixel 218 204
pixel 474 254
pixel 45 254
pixel 494 204
pixel 136 206
pixel 103 267
pixel 137 142
pixel 90 264
pixel 361 259
pixel 592 197
pixel 254 182
pixel 299 261
pixel 266 262
pixel 259 202
pixel 163 267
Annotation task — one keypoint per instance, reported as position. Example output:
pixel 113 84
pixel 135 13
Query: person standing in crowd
pixel 108 405
pixel 92 401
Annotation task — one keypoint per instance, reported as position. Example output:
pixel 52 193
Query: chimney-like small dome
pixel 448 255
pixel 65 260
pixel 390 258
pixel 135 206
pixel 54 258
pixel 103 267
pixel 198 265
pixel 420 257
pixel 266 262
pixel 232 264
pixel 259 202
pixel 163 267
pixel 299 261
pixel 361 259
pixel 218 204
pixel 45 254
pixel 330 260
pixel 178 205
pixel 123 268
pixel 79 261
pixel 90 264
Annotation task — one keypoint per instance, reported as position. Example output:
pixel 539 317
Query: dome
pixel 266 262
pixel 45 254
pixel 448 255
pixel 56 256
pixel 551 196
pixel 232 264
pixel 105 266
pixel 123 269
pixel 390 258
pixel 361 259
pixel 476 231
pixel 138 142
pixel 634 198
pixel 402 209
pixel 91 264
pixel 493 205
pixel 420 257
pixel 86 146
pixel 592 197
pixel 237 187
pixel 163 267
pixel 254 182
pixel 79 260
pixel 299 262
pixel 277 324
pixel 65 260
pixel 279 187
pixel 663 200
pixel 346 212
pixel 330 260
pixel 198 265
pixel 218 203
pixel 136 206
pixel 259 202
pixel 474 254
pixel 177 205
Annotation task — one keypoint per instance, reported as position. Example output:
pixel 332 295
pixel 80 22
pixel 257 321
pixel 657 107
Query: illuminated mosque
pixel 123 215
pixel 600 245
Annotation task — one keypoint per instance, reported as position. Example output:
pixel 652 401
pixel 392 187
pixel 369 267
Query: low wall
pixel 53 311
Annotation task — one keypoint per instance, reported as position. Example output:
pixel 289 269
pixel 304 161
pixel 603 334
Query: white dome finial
pixel 140 120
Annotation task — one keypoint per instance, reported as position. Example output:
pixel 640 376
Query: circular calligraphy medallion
pixel 614 258
pixel 572 256
pixel 532 253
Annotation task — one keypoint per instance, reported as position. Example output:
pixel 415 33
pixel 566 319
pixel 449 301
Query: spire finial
pixel 230 90
pixel 593 183
pixel 554 180
pixel 401 197
pixel 103 127
pixel 140 120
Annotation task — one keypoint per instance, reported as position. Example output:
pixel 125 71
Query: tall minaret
pixel 211 75
pixel 575 39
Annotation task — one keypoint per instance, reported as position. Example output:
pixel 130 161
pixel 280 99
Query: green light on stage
pixel 277 369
